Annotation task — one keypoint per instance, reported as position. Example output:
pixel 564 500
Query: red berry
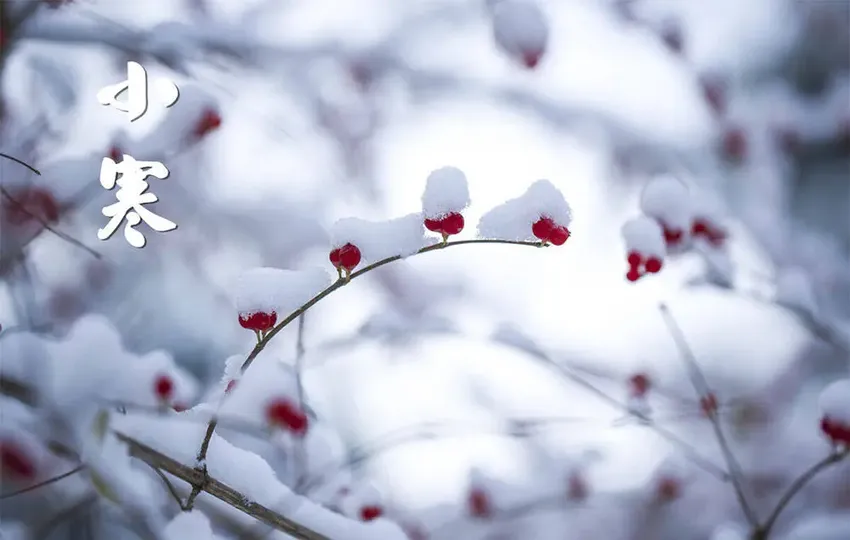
pixel 30 204
pixel 334 258
pixel 452 223
pixel 708 404
pixel 349 256
pixel 115 154
pixel 230 386
pixel 180 407
pixel 633 274
pixel 735 144
pixel 368 513
pixel 714 92
pixel 434 225
pixel 653 265
pixel 715 237
pixel 836 432
pixel 14 463
pixel 639 384
pixel 668 489
pixel 634 259
pixel 542 228
pixel 285 414
pixel 163 387
pixel 577 489
pixel 209 121
pixel 672 236
pixel 258 321
pixel 559 235
pixel 531 58
pixel 479 503
pixel 700 227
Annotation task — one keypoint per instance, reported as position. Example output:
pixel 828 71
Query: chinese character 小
pixel 136 87
pixel 129 175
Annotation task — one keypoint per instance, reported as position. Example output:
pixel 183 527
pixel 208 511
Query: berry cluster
pixel 548 231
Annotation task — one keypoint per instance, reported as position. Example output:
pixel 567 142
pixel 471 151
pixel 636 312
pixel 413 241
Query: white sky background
pixel 574 297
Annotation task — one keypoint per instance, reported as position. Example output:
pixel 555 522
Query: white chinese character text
pixel 130 176
pixel 136 87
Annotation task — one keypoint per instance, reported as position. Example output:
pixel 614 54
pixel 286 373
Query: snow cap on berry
pixel 192 524
pixel 644 236
pixel 520 29
pixel 276 290
pixel 267 380
pixel 446 191
pixel 668 200
pixel 834 402
pixel 379 240
pixel 361 496
pixel 513 219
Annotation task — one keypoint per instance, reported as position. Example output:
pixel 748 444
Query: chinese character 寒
pixel 136 87
pixel 130 176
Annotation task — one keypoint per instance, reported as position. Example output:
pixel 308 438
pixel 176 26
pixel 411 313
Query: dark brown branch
pixel 217 489
pixel 700 384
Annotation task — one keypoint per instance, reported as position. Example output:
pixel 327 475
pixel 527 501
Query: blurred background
pixel 294 114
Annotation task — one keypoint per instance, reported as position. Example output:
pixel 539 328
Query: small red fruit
pixel 285 414
pixel 639 384
pixel 653 265
pixel 452 223
pixel 479 503
pixel 672 236
pixel 258 321
pixel 14 463
pixel 31 204
pixel 542 228
pixel 837 432
pixel 633 274
pixel 559 235
pixel 209 121
pixel 735 144
pixel 368 513
pixel 163 387
pixel 634 259
pixel 230 386
pixel 577 489
pixel 708 404
pixel 434 225
pixel 531 58
pixel 115 154
pixel 668 489
pixel 347 257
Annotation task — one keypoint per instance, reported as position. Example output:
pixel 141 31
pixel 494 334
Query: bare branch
pixel 39 485
pixel 703 390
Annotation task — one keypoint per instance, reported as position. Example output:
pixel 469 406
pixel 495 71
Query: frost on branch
pixel 835 410
pixel 377 240
pixel 541 213
pixel 645 246
pixel 520 30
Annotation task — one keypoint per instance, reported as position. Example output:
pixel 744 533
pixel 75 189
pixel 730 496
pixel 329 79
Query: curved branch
pixel 764 531
pixel 205 444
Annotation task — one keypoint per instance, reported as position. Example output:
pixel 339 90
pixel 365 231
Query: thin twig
pixel 300 455
pixel 764 531
pixel 46 226
pixel 47 482
pixel 211 427
pixel 170 487
pixel 703 390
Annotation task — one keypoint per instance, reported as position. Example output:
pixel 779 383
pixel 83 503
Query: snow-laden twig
pixel 202 452
pixel 704 391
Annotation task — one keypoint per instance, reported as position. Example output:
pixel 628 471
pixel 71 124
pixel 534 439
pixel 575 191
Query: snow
pixel 668 199
pixel 378 240
pixel 277 290
pixel 248 473
pixel 820 527
pixel 512 220
pixel 192 524
pixel 645 236
pixel 446 191
pixel 362 495
pixel 794 289
pixel 834 401
pixel 519 26
pixel 267 379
